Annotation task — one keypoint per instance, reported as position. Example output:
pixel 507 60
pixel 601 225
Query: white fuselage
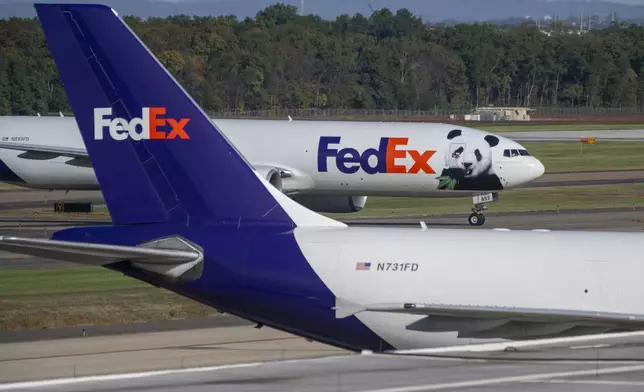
pixel 295 147
pixel 579 271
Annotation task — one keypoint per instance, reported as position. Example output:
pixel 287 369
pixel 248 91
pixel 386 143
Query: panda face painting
pixel 476 160
pixel 468 163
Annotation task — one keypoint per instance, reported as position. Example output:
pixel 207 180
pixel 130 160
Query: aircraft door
pixel 456 154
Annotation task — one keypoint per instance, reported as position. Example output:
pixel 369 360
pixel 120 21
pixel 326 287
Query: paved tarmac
pixel 17 198
pixel 273 361
pixel 608 219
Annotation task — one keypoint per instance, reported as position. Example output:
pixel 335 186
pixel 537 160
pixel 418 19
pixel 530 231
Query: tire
pixel 473 220
pixel 476 219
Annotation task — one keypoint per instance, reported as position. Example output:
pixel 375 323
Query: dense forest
pixel 385 61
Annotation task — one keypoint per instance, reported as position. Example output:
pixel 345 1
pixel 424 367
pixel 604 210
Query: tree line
pixel 387 60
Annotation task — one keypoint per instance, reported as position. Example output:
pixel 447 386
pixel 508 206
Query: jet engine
pixel 272 175
pixel 332 203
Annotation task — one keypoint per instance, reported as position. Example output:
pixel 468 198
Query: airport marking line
pixel 539 377
pixel 117 377
pixel 128 376
pixel 530 378
pixel 593 382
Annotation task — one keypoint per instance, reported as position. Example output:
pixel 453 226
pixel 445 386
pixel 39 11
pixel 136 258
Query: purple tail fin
pixel 157 156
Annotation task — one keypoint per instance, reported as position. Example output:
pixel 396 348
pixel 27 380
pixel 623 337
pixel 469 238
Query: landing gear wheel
pixel 476 219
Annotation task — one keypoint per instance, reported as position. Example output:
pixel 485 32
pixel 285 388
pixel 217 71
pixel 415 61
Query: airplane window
pixel 515 153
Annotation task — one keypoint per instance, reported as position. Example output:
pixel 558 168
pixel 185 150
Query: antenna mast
pixel 301 7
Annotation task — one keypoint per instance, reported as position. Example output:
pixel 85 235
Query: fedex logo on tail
pixel 147 127
pixel 387 157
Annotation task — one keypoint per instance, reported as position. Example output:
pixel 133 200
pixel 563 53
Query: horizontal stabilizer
pixel 173 258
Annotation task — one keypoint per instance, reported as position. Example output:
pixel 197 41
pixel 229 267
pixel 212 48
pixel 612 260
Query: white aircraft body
pixel 326 166
pixel 231 240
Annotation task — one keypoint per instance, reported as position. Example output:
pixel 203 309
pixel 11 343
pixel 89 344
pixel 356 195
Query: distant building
pixel 492 113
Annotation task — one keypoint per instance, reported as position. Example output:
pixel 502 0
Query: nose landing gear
pixel 477 218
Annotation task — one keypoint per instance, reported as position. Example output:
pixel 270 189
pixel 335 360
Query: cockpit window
pixel 515 153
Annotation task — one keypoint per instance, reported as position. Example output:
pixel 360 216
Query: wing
pixel 78 156
pixel 62 151
pixel 582 347
pixel 492 322
pixel 172 258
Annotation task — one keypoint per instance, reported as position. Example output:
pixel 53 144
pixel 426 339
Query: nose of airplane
pixel 536 169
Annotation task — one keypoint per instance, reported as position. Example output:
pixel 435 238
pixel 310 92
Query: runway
pixel 246 359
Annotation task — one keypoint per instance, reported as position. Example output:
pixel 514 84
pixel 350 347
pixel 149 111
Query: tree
pixel 280 60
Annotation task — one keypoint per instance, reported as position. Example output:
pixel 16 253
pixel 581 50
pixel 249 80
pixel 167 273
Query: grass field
pixel 568 156
pixel 59 297
pixel 556 127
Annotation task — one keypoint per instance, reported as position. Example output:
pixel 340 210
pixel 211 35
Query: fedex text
pixel 149 126
pixel 390 149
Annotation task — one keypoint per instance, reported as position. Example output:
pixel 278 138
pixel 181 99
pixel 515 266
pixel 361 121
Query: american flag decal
pixel 363 266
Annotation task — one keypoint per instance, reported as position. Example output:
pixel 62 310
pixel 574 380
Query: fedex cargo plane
pixel 191 214
pixel 326 166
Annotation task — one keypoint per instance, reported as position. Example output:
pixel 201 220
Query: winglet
pixel 344 308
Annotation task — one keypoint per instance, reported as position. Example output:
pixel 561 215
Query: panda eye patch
pixel 454 133
pixel 478 155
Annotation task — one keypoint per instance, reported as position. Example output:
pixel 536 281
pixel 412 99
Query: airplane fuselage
pixel 314 157
pixel 292 280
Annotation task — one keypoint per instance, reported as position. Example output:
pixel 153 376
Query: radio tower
pixel 301 7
